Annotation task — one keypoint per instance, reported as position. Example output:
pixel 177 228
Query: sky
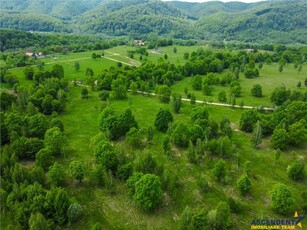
pixel 247 1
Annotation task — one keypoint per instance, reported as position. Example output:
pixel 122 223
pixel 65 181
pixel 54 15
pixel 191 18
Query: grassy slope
pixel 80 121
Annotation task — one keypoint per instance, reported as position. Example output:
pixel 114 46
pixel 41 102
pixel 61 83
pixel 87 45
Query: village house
pixel 139 43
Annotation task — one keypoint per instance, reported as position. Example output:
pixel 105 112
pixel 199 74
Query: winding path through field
pixel 216 104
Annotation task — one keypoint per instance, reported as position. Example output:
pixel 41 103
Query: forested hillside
pixel 268 21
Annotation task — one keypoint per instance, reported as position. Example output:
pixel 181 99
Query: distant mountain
pixel 275 21
pixel 199 10
pixel 63 9
pixel 136 17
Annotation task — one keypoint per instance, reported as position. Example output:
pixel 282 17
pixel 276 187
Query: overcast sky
pixel 248 1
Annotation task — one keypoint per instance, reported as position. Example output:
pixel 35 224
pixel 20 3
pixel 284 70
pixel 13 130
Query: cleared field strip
pixel 216 104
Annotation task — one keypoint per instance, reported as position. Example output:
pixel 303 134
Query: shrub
pixel 244 184
pixel 296 170
pixel 163 118
pixel 148 192
pixel 282 200
pixel 256 91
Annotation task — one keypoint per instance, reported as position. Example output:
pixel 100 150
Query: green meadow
pixel 118 211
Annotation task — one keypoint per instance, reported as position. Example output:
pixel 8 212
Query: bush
pixel 181 135
pixel 84 93
pixel 219 170
pixel 164 93
pixel 202 184
pixel 76 170
pixel 244 184
pixel 256 91
pixel 74 212
pixel 296 170
pixel 131 182
pixel 222 96
pixel 199 113
pixel 282 200
pixel 220 218
pixel 196 82
pixel 125 171
pixel 280 139
pixel 97 175
pixel 104 95
pixel 163 118
pixel 134 137
pixel 248 120
pixel 233 205
pixel 148 192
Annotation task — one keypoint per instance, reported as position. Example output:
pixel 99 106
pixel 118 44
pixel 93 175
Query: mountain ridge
pixel 281 21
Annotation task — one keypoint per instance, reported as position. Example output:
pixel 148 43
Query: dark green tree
pixel 297 132
pixel 248 120
pixel 280 95
pixel 55 140
pixel 89 72
pixel 257 134
pixel 222 96
pixel 74 212
pixel 282 200
pixel 225 127
pixel 57 71
pixel 84 93
pixel 256 91
pixel 29 72
pixel 176 102
pixel 244 184
pixel 56 174
pixel 134 138
pixel 235 88
pixel 280 138
pixel 164 93
pixel 148 192
pixel 119 89
pixel 193 99
pixel 223 218
pixel 76 170
pixel 133 88
pixel 37 221
pixel 219 170
pixel 163 118
pixel 181 135
pixel 44 158
pixel 296 170
pixel 197 82
pixel 77 66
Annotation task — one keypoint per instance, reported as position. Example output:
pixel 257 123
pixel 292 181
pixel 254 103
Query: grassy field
pixel 81 124
pixel 118 211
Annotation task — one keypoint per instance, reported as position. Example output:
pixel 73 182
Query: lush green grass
pixel 269 79
pixel 118 211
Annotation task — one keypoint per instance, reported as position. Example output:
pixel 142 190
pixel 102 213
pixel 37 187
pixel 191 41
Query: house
pixel 35 55
pixel 139 42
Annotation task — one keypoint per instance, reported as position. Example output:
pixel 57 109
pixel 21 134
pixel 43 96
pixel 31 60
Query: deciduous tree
pixel 282 200
pixel 148 192
pixel 76 170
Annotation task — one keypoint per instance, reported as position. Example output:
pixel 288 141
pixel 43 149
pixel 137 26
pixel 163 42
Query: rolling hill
pixel 275 21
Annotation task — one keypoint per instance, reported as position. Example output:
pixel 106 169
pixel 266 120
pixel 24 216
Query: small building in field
pixel 35 55
pixel 139 43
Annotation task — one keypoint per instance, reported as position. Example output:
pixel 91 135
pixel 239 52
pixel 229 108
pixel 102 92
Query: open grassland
pixel 269 79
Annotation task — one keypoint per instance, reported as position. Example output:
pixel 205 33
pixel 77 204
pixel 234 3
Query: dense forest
pixel 271 22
